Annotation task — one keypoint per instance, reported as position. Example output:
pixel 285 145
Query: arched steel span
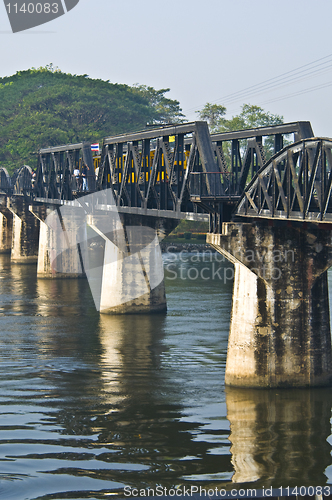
pixel 22 184
pixel 295 184
pixel 5 181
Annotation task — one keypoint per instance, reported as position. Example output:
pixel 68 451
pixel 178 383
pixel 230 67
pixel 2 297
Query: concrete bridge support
pixel 25 232
pixel 280 324
pixel 6 226
pixel 119 253
pixel 59 253
pixel 128 278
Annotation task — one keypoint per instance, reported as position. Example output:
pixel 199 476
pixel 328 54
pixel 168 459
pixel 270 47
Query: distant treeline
pixel 45 107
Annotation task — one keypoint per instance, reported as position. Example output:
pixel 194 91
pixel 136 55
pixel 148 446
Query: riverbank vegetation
pixel 189 232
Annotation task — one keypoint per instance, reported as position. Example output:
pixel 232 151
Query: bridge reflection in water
pixel 91 402
pixel 280 436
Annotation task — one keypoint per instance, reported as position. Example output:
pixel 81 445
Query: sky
pixel 276 54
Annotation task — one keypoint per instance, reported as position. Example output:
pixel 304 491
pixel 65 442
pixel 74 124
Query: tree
pixel 166 110
pixel 251 116
pixel 213 114
pixel 45 107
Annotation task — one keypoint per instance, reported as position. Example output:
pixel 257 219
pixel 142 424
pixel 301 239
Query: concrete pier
pixel 119 254
pixel 133 282
pixel 280 324
pixel 129 276
pixel 59 253
pixel 6 226
pixel 25 232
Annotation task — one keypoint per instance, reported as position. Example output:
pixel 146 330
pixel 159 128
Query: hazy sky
pixel 203 50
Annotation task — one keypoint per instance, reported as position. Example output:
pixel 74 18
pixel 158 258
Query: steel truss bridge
pixel 275 172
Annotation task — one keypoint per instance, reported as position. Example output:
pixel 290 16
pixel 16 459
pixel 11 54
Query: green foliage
pixel 168 110
pixel 44 107
pixel 187 235
pixel 213 114
pixel 251 116
pixel 192 227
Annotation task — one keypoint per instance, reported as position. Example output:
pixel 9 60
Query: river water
pixel 91 403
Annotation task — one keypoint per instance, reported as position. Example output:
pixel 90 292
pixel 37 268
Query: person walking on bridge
pixel 77 176
pixel 85 170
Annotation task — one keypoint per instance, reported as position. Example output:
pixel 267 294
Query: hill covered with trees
pixel 46 107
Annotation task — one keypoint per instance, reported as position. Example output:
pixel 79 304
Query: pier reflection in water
pixel 280 436
pixel 90 403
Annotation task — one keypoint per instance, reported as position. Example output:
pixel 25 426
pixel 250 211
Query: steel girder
pixel 240 154
pixel 177 168
pixel 151 169
pixel 55 177
pixel 22 182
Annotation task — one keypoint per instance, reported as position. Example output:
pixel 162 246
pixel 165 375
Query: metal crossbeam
pixel 239 156
pixel 166 131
